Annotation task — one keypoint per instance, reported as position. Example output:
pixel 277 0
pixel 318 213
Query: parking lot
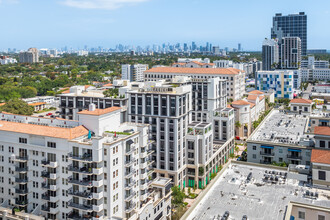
pixel 258 199
pixel 45 114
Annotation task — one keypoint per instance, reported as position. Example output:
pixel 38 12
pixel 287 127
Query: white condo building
pixel 235 77
pixel 133 72
pixel 94 168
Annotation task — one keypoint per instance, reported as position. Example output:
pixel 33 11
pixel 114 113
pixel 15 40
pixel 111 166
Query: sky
pixel 75 23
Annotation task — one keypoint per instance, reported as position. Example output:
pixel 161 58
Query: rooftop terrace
pixel 280 127
pixel 258 199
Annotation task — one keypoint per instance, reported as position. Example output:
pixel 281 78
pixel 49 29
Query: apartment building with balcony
pixel 281 137
pixel 94 168
pixel 78 98
pixel 235 77
pixel 167 109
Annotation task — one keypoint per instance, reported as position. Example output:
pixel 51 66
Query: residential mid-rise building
pixel 311 63
pixel 235 77
pixel 292 25
pixel 281 81
pixel 247 111
pixel 94 168
pixel 281 138
pixel 30 56
pixel 133 72
pixel 7 60
pixel 270 54
pixel 78 98
pixel 315 74
pixel 290 53
pixel 301 106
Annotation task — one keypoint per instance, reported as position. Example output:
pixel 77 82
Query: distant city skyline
pixel 75 23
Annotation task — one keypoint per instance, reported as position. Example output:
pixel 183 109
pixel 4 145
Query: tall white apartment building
pixel 270 54
pixel 167 110
pixel 290 53
pixel 133 72
pixel 94 168
pixel 235 77
pixel 281 81
pixel 168 107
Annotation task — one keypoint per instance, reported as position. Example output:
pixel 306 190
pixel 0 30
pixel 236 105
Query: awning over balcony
pixel 294 150
pixel 267 147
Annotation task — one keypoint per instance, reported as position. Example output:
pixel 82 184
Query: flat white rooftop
pixel 256 199
pixel 281 127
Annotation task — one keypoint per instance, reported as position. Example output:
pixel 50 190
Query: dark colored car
pixel 244 217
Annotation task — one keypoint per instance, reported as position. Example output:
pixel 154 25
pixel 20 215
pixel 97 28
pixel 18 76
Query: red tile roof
pixel 184 70
pixel 241 102
pixel 320 156
pixel 256 92
pixel 56 132
pixel 99 111
pixel 302 101
pixel 252 97
pixel 37 103
pixel 322 130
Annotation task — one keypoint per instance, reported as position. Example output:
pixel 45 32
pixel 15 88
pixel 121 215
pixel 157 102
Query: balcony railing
pixel 130 196
pixel 267 153
pixel 21 180
pixel 85 170
pixel 21 191
pixel 21 169
pixel 80 194
pixel 84 157
pixel 84 182
pixel 294 157
pixel 85 207
pixel 21 202
pixel 21 158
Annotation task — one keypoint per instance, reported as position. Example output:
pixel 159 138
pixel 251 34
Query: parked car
pixel 49 114
pixel 225 216
pixel 244 217
pixel 57 112
pixel 41 116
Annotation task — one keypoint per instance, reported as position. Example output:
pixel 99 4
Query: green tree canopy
pixel 17 106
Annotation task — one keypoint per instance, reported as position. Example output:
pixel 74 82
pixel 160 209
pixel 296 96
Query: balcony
pixel 98 208
pixel 143 154
pixel 144 185
pixel 84 158
pixel 98 195
pixel 130 208
pixel 47 163
pixel 265 162
pixel 294 157
pixel 129 163
pixel 45 208
pixel 143 175
pixel 130 150
pixel 97 183
pixel 129 185
pixel 84 182
pixel 129 197
pixel 21 158
pixel 84 207
pixel 268 154
pixel 144 196
pixel 87 195
pixel 129 174
pixel 21 180
pixel 84 170
pixel 50 187
pixel 49 175
pixel 21 202
pixel 143 165
pixel 21 169
pixel 21 191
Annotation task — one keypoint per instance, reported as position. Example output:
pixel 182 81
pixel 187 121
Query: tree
pixel 238 124
pixel 17 106
pixel 177 195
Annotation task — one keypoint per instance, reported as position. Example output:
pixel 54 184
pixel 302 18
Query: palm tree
pixel 238 124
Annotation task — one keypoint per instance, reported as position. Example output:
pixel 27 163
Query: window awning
pixel 267 147
pixel 294 150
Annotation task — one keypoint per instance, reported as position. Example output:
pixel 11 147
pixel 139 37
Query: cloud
pixel 100 4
